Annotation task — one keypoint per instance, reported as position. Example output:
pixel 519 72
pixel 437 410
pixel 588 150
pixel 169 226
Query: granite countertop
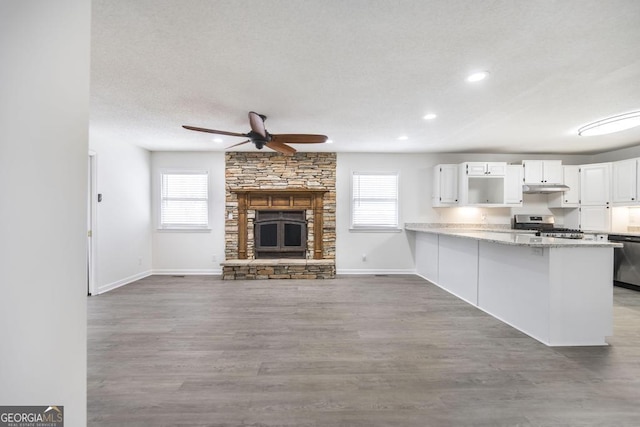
pixel 510 237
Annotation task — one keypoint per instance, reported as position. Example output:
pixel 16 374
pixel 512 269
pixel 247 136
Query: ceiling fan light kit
pixel 611 124
pixel 259 136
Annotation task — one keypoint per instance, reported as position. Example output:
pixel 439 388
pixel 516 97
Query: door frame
pixel 92 213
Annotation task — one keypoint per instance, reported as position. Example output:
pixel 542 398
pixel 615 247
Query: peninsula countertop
pixel 506 236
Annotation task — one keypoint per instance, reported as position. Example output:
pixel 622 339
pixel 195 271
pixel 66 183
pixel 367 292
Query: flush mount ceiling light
pixel 611 124
pixel 218 140
pixel 329 141
pixel 403 138
pixel 430 116
pixel 476 77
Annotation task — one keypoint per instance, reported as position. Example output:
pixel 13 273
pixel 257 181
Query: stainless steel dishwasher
pixel 626 261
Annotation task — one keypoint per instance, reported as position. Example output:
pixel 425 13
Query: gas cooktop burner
pixel 543 225
pixel 564 233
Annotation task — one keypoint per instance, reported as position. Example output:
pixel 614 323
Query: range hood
pixel 544 188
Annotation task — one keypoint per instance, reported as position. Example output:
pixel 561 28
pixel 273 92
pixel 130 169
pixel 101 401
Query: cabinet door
pixel 552 172
pixel 448 184
pixel 571 178
pixel 533 172
pixel 476 169
pixel 513 185
pixel 496 168
pixel 571 197
pixel 624 182
pixel 595 218
pixel 595 184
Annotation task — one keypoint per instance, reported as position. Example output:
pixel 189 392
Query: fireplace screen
pixel 280 234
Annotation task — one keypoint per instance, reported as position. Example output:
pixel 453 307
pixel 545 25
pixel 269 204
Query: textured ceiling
pixel 365 72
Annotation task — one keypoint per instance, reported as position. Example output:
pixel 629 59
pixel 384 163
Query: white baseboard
pixel 113 285
pixel 364 271
pixel 188 272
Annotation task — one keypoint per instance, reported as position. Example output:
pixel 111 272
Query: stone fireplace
pixel 269 193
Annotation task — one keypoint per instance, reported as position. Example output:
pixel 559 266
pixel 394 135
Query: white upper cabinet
pixel 445 185
pixel 625 182
pixel 542 171
pixel 513 185
pixel 571 197
pixel 481 183
pixel 595 184
pixel 485 168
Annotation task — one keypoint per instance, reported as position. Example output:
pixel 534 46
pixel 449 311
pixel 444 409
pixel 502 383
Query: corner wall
pixel 123 218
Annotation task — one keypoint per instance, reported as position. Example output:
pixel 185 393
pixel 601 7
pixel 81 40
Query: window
pixel 184 200
pixel 374 200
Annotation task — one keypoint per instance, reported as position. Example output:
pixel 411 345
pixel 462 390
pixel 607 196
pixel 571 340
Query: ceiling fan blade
pixel 219 132
pixel 257 123
pixel 239 143
pixel 294 138
pixel 281 148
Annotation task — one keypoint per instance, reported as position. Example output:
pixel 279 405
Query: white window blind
pixel 185 200
pixel 375 200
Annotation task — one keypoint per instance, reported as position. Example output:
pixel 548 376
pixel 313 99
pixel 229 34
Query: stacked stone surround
pixel 273 171
pixel 278 269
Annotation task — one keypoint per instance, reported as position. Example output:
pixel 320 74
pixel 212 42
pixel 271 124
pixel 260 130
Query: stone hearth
pixel 278 269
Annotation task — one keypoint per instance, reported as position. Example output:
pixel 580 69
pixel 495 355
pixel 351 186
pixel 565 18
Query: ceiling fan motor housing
pixel 258 140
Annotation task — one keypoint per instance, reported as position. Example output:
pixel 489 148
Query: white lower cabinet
pixel 595 218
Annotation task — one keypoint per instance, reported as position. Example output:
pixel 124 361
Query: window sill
pixel 183 230
pixel 375 230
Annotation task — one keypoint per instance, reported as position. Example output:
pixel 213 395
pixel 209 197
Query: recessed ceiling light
pixel 476 77
pixel 403 138
pixel 218 140
pixel 430 116
pixel 611 124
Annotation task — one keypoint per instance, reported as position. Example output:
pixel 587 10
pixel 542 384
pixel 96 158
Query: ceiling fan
pixel 259 136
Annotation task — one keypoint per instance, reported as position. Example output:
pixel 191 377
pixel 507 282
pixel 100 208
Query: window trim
pixel 204 228
pixel 375 228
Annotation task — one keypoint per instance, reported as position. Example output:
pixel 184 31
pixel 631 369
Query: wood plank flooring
pixel 352 351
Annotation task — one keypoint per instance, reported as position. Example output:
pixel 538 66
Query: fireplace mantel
pixel 280 199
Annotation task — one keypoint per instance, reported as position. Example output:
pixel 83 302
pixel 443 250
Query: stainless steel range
pixel 544 226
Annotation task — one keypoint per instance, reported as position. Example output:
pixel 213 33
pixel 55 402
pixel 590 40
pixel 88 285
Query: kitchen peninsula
pixel 558 291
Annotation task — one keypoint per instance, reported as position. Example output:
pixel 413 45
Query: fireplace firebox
pixel 280 234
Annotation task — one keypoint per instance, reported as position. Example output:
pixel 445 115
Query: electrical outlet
pixel 140 261
pixel 364 257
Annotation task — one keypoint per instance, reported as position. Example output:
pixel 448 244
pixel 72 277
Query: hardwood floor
pixel 353 351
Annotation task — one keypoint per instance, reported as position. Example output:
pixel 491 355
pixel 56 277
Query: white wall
pixel 386 252
pixel 44 107
pixel 612 156
pixel 190 252
pixel 123 232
